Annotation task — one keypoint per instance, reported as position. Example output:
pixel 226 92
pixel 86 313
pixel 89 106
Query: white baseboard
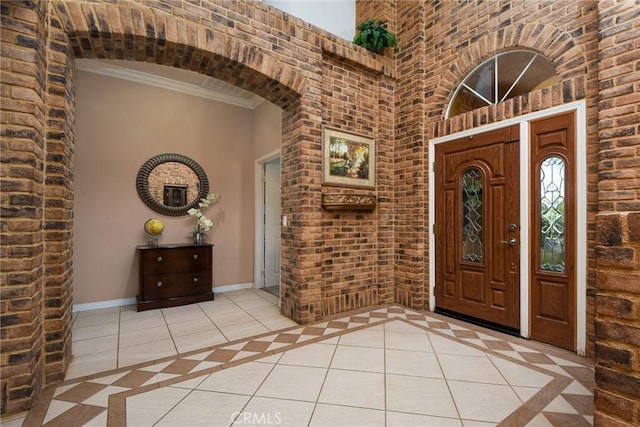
pixel 229 288
pixel 103 304
pixel 130 301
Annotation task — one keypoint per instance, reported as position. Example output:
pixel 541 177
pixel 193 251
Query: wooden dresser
pixel 172 275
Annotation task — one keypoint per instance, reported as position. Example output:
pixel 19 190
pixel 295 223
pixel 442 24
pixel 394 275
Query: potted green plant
pixel 374 36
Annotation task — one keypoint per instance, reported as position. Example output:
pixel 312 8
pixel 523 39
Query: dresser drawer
pixel 174 275
pixel 176 261
pixel 157 286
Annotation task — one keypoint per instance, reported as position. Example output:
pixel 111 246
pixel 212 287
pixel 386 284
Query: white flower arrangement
pixel 204 223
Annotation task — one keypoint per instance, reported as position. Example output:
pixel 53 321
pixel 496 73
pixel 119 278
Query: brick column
pixel 411 273
pixel 22 180
pixel 377 10
pixel 301 198
pixel 58 203
pixel 617 393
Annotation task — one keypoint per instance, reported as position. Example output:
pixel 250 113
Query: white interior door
pixel 272 223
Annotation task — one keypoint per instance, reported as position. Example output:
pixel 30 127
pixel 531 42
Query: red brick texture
pixel 378 11
pixel 22 203
pixel 331 261
pixel 617 348
pixel 411 173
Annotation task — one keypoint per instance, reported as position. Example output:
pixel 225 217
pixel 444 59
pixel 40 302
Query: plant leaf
pixel 374 36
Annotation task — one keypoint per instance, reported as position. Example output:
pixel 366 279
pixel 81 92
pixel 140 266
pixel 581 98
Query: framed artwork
pixel 348 159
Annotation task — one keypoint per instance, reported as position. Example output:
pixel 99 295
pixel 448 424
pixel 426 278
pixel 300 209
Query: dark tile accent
pixel 566 420
pixel 81 392
pixel 337 325
pixel 417 317
pixel 134 379
pixel 379 315
pixel 310 330
pixel 221 355
pixel 256 346
pixel 116 417
pixel 438 325
pixel 537 358
pixel 539 401
pixel 39 410
pixel 181 366
pixel 286 338
pixel 461 333
pixel 76 416
pixel 583 404
pixel 498 345
pixel 584 376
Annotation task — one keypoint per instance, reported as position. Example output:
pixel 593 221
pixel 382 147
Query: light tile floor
pixel 220 364
pixel 114 337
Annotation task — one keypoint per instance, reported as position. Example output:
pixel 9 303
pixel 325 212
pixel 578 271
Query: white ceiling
pixel 171 78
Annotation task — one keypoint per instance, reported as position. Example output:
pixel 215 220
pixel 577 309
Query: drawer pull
pixel 195 256
pixel 159 259
pixel 159 284
pixel 195 280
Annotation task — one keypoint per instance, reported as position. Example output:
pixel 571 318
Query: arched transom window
pixel 501 77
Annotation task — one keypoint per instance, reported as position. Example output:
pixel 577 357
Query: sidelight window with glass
pixel 552 214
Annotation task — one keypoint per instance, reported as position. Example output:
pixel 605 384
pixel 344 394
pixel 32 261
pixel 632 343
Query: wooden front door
pixel 477 229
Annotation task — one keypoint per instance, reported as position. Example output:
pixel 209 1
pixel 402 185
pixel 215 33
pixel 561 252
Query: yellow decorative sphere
pixel 154 227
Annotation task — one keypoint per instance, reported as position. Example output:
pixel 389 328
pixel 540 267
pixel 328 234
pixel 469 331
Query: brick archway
pixel 213 47
pixel 554 43
pixel 137 32
pixel 50 36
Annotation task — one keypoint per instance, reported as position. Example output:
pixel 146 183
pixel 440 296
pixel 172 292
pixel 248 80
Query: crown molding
pixel 109 70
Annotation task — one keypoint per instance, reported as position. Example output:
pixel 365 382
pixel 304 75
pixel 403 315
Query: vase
pixel 198 238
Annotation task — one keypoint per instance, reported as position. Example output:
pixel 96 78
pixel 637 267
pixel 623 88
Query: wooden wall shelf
pixel 338 201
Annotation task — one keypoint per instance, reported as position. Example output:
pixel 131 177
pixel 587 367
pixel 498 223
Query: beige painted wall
pixel 266 135
pixel 120 125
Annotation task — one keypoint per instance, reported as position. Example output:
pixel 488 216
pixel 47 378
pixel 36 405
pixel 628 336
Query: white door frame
pixel 258 277
pixel 579 107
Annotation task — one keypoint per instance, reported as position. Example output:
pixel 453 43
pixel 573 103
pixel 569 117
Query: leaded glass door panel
pixel 477 227
pixel 553 236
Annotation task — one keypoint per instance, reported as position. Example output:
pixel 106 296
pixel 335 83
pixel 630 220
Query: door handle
pixel 511 242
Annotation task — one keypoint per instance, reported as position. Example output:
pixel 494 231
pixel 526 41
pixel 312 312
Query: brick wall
pixel 378 11
pixel 22 203
pixel 617 350
pixel 354 101
pixel 58 204
pixel 411 173
pixel 617 396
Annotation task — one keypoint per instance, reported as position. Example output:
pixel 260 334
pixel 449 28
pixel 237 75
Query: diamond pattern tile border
pixel 569 372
